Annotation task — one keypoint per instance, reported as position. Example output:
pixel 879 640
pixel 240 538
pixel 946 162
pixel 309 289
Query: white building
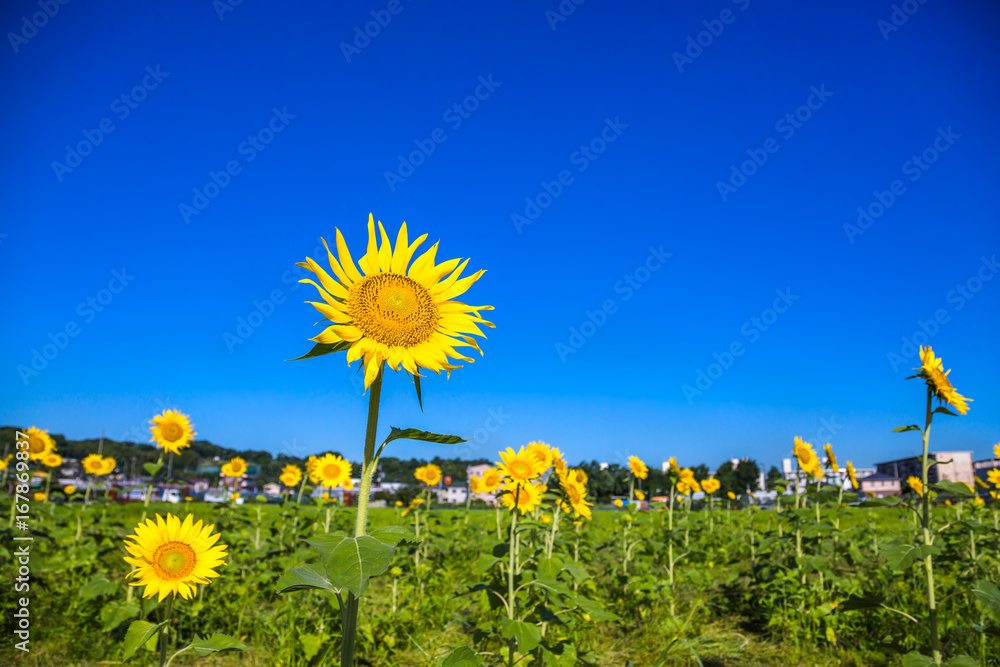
pixel 456 494
pixel 829 476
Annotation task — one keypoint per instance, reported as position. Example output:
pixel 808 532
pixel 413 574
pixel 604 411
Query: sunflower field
pixel 543 577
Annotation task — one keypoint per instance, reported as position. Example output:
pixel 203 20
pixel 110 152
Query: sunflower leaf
pixel 945 410
pixel 426 436
pixel 319 349
pixel 304 577
pixel 957 488
pixel 139 632
pixel 416 383
pixel 988 593
pixel 528 635
pixel 152 468
pixel 463 656
pixel 351 561
pixel 217 642
pixel 904 429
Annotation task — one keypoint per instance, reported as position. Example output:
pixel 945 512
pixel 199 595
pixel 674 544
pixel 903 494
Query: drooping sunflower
pixel 236 467
pixel 331 471
pixel 852 475
pixel 710 485
pixel 638 468
pixel 831 458
pixel 527 495
pixel 291 475
pixel 172 431
pixel 40 443
pixel 517 467
pixel 802 451
pixel 52 460
pixel 429 474
pixel 393 311
pixel 915 484
pixel 93 464
pixel 171 557
pixel 932 371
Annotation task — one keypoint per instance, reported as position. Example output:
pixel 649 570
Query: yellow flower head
pixel 731 495
pixel 171 557
pixel 527 495
pixel 394 312
pixel 579 475
pixel 576 494
pixel 291 475
pixel 326 495
pixel 172 431
pixel 69 489
pixel 429 474
pixel 188 499
pixel 852 475
pixel 710 485
pixel 349 484
pixel 5 461
pixel 93 464
pixel 519 467
pixel 994 476
pixel 546 519
pixel 476 484
pixel 637 467
pixel 932 371
pixel 559 465
pixel 331 470
pixel 40 443
pixel 803 451
pixel 52 460
pixel 672 464
pixel 235 495
pixel 996 451
pixel 683 488
pixel 978 502
pixel 543 455
pixel 618 503
pixel 640 495
pixel 832 458
pixel 491 480
pixel 399 503
pixel 39 496
pixel 916 485
pixel 237 467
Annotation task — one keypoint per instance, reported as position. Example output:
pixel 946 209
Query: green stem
pixel 165 629
pixel 932 611
pixel 511 570
pixel 86 496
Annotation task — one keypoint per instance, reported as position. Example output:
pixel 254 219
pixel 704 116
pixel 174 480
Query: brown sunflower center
pixel 393 309
pixel 36 445
pixel 173 560
pixel 171 431
pixel 520 469
pixel 331 471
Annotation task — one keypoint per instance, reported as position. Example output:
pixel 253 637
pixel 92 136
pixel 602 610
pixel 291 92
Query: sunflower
pixel 730 495
pixel 618 503
pixel 234 496
pixel 996 451
pixel 579 475
pixel 429 474
pixel 802 451
pixel 831 458
pixel 171 557
pixel 852 475
pixel 291 475
pixel 683 488
pixel 640 495
pixel 236 467
pixel 915 484
pixel 69 489
pixel 543 455
pixel 710 485
pixel 172 431
pixel 932 371
pixel 491 480
pixel 93 464
pixel 39 496
pixel 52 460
pixel 5 461
pixel 395 312
pixel 637 467
pixel 528 495
pixel 519 467
pixel 994 477
pixel 331 471
pixel 349 484
pixel 108 465
pixel 562 470
pixel 40 443
pixel 476 484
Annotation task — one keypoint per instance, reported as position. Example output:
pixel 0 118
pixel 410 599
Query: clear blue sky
pixel 645 135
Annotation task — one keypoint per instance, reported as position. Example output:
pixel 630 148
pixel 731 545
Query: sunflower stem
pixel 164 629
pixel 925 520
pixel 350 616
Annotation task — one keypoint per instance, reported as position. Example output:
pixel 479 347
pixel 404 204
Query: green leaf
pixel 311 644
pixel 904 429
pixel 393 535
pixel 902 556
pixel 962 660
pixel 139 632
pixel 463 656
pixel 351 561
pixel 98 585
pixel 888 501
pixel 217 642
pixel 304 577
pixel 988 593
pixel 114 614
pixel 869 601
pixel 958 488
pixel 152 469
pixel 528 635
pixel 914 659
pixel 426 436
pixel 945 410
pixel 420 400
pixel 319 349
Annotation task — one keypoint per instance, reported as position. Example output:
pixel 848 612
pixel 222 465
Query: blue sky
pixel 674 175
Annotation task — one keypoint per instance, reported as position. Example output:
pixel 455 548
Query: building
pixel 982 468
pixel 951 466
pixel 829 476
pixel 455 494
pixel 881 485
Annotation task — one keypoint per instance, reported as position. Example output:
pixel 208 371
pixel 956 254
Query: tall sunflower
pixel 638 468
pixel 710 485
pixel 831 458
pixel 394 312
pixel 172 431
pixel 331 470
pixel 932 371
pixel 518 467
pixel 40 443
pixel 171 557
pixel 528 495
pixel 852 475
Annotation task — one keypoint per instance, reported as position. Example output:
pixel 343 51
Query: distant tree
pixel 774 476
pixel 738 478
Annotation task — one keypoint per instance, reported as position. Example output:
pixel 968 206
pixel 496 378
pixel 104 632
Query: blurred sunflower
pixel 519 467
pixel 172 431
pixel 637 467
pixel 640 495
pixel 291 475
pixel 5 461
pixel 994 476
pixel 331 471
pixel 710 485
pixel 395 312
pixel 528 495
pixel 108 465
pixel 932 371
pixel 618 503
pixel 93 464
pixel 543 455
pixel 69 489
pixel 39 496
pixel 236 467
pixel 831 458
pixel 40 443
pixel 429 474
pixel 171 557
pixel 234 496
pixel 730 495
pixel 476 484
pixel 52 460
pixel 915 484
pixel 852 475
pixel 491 480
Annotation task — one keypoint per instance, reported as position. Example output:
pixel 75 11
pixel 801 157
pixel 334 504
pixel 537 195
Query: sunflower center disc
pixel 174 560
pixel 393 309
pixel 520 469
pixel 331 471
pixel 35 445
pixel 171 431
